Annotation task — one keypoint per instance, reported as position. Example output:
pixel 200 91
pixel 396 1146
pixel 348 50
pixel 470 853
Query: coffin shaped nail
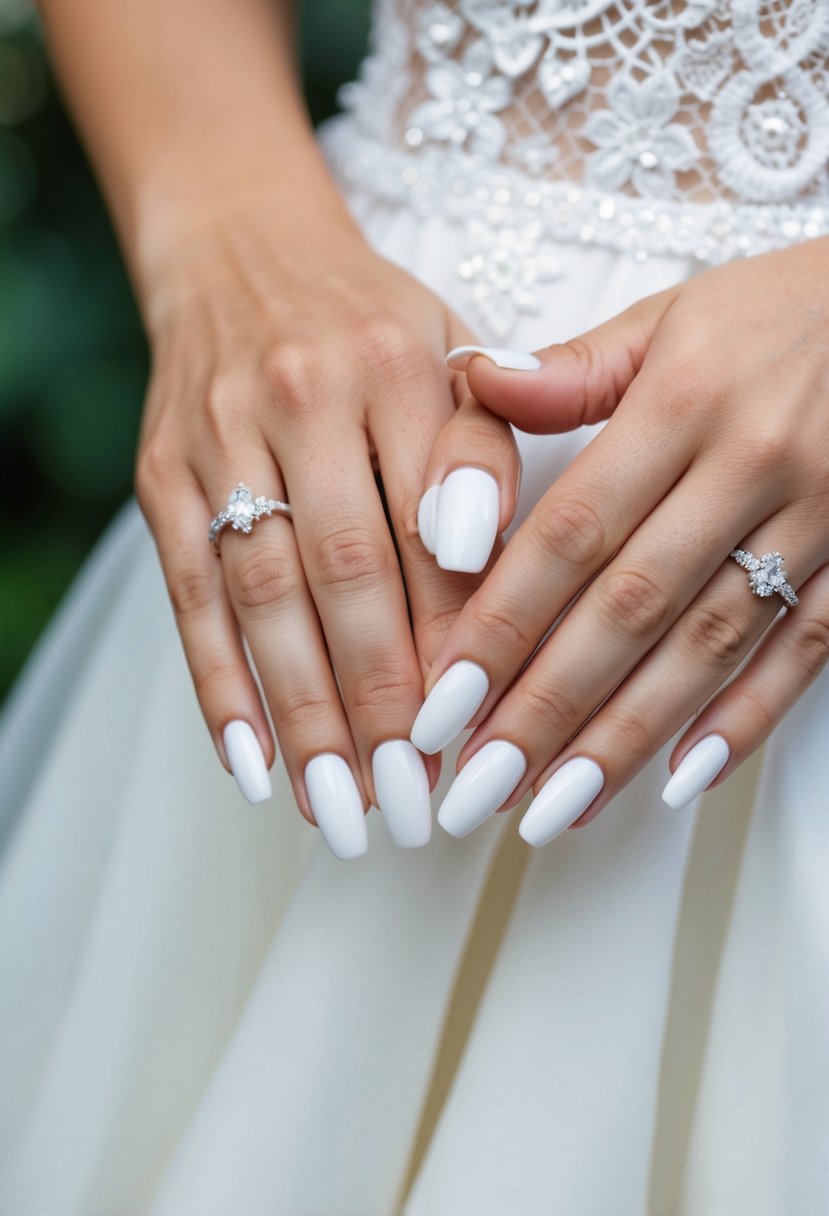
pixel 482 785
pixel 402 787
pixel 511 360
pixel 696 771
pixel 452 702
pixel 565 797
pixel 337 805
pixel 466 521
pixel 246 760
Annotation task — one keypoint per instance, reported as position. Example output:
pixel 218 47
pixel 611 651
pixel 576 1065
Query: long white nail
pixel 566 795
pixel 457 695
pixel 512 360
pixel 482 786
pixel 244 755
pixel 402 787
pixel 467 520
pixel 337 805
pixel 427 514
pixel 696 771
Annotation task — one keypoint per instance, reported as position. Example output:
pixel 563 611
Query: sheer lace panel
pixel 688 126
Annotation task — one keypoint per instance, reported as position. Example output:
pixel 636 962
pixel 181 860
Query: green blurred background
pixel 73 362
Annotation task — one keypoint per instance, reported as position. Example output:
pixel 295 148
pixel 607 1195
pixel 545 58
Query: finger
pixel 404 437
pixel 472 478
pixel 576 383
pixel 223 681
pixel 276 612
pixel 354 576
pixel 588 514
pixel 699 654
pixel 743 715
pixel 626 609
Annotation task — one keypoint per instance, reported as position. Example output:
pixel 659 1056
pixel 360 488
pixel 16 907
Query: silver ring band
pixel 766 575
pixel 242 512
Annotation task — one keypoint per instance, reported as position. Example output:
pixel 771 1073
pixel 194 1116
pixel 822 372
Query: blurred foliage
pixel 73 362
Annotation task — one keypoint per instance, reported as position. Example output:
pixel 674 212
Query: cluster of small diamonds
pixel 242 512
pixel 766 575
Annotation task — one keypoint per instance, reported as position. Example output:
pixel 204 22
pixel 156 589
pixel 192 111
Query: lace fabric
pixel 693 127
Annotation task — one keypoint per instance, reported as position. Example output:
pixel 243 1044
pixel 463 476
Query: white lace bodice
pixel 685 126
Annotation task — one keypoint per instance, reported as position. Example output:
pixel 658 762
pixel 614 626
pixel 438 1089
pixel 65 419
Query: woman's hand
pixel 299 362
pixel 717 393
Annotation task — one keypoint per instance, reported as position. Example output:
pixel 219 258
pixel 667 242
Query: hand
pixel 717 394
pixel 299 361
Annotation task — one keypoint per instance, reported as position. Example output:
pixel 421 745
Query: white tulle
pixel 205 1013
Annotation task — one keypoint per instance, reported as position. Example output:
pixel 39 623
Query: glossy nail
pixel 337 805
pixel 565 797
pixel 467 520
pixel 482 785
pixel 402 788
pixel 696 771
pixel 512 360
pixel 427 514
pixel 452 702
pixel 247 763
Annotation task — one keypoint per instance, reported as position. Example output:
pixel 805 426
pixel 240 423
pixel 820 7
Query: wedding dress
pixel 203 1011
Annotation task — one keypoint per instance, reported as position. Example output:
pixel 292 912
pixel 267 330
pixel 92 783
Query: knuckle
pixel 351 559
pixel 304 715
pixel 717 633
pixel 633 736
pixel 809 643
pixel 215 672
pixel 385 685
pixel 498 628
pixel 551 708
pixel 191 591
pixel 391 347
pixel 632 602
pixel 751 707
pixel 153 472
pixel 263 579
pixel 767 452
pixel 571 531
pixel 293 371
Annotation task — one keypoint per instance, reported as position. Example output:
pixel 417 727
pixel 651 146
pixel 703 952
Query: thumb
pixel 570 384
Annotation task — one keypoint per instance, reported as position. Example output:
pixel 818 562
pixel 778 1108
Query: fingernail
pixel 566 795
pixel 696 771
pixel 247 763
pixel 427 518
pixel 457 695
pixel 402 787
pixel 512 360
pixel 467 520
pixel 482 786
pixel 337 805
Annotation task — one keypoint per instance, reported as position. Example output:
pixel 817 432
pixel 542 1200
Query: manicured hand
pixel 302 368
pixel 717 395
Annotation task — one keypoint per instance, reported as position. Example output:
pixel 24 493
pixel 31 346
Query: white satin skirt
pixel 204 1013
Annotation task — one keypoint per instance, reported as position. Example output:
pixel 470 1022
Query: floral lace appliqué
pixel 694 127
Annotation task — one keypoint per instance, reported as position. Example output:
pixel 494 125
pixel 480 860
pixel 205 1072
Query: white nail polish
pixel 247 763
pixel 402 787
pixel 458 693
pixel 467 520
pixel 482 786
pixel 337 806
pixel 427 514
pixel 512 360
pixel 696 771
pixel 565 797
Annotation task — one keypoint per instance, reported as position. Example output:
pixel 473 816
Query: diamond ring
pixel 766 575
pixel 242 512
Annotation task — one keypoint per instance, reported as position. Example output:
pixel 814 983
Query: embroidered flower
pixel 465 101
pixel 505 269
pixel 635 138
pixel 438 31
pixel 516 42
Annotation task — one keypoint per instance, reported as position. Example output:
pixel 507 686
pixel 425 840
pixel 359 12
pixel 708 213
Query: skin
pixel 716 396
pixel 285 353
